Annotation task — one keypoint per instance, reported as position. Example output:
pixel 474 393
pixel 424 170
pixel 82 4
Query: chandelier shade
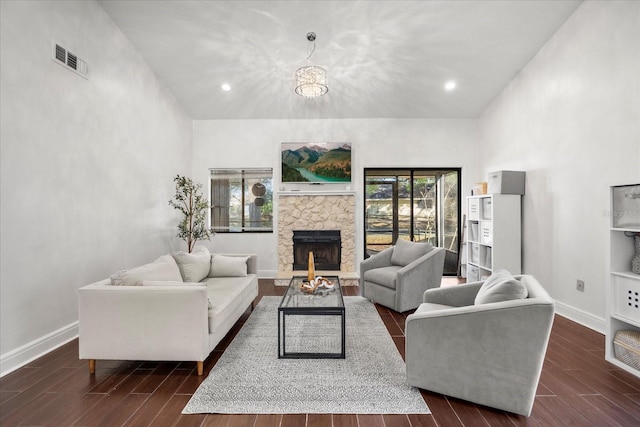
pixel 311 81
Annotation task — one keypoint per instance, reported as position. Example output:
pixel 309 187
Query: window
pixel 242 200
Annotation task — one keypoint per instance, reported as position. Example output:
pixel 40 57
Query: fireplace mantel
pixel 316 193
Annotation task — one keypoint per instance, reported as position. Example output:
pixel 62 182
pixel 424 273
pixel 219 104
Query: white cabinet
pixel 493 235
pixel 623 292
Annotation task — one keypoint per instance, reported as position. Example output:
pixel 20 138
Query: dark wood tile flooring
pixel 577 388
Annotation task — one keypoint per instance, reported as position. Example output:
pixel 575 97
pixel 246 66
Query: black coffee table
pixel 322 302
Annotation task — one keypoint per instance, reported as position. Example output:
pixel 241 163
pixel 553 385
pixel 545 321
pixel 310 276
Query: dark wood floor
pixel 577 388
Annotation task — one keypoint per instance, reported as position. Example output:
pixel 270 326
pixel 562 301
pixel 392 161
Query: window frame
pixel 411 173
pixel 241 174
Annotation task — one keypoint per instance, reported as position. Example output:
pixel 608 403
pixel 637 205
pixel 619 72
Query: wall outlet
pixel 580 285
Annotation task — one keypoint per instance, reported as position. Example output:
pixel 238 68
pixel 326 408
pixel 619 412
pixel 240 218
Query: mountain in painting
pixel 326 164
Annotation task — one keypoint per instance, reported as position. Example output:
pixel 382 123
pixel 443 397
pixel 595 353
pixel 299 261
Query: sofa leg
pixel 200 368
pixel 92 366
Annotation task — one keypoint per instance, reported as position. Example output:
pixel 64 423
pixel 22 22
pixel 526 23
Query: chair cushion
pixel 385 276
pixel 405 252
pixel 500 286
pixel 194 266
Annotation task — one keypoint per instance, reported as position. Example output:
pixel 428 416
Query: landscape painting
pixel 316 162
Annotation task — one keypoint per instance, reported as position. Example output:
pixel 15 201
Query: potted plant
pixel 190 201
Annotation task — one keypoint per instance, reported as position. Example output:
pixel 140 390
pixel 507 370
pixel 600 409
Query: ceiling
pixel 383 58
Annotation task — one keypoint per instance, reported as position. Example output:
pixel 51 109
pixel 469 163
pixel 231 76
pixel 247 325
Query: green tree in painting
pixel 290 174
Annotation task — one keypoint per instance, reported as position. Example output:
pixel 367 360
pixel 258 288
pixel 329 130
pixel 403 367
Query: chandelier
pixel 311 80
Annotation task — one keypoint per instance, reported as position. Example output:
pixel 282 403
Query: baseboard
pixel 19 357
pixel 596 323
pixel 267 274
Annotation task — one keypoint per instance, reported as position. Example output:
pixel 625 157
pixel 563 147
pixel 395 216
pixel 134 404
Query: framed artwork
pixel 324 162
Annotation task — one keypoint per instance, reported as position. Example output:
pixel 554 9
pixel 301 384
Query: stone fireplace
pixel 315 211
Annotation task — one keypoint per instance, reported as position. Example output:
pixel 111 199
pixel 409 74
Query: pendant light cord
pixel 312 50
pixel 312 40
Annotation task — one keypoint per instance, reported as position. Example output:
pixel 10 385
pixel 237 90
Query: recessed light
pixel 450 85
pixel 226 87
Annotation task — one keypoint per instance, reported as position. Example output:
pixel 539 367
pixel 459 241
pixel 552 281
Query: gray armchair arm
pixel 381 259
pixel 456 295
pixel 415 278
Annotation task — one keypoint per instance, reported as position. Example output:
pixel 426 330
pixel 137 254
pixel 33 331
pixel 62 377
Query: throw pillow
pixel 405 252
pixel 501 286
pixel 228 266
pixel 164 269
pixel 194 266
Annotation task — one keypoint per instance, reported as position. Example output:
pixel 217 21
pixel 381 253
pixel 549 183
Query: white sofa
pixel 152 313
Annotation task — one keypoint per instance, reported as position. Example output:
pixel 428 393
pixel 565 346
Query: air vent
pixel 72 61
pixel 61 53
pixel 69 60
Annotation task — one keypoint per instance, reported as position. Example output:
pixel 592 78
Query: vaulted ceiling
pixel 383 58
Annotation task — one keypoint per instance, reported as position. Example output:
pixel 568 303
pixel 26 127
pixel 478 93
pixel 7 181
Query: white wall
pixel 87 168
pixel 375 143
pixel 571 120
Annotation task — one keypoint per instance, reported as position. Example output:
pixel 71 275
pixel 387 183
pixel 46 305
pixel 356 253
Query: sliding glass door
pixel 419 205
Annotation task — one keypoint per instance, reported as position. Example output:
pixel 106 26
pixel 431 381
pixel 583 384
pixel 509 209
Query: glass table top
pixel 295 298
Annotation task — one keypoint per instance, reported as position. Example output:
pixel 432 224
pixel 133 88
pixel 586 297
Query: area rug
pixel 250 379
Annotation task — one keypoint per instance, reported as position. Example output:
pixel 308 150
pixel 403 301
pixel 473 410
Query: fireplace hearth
pixel 326 246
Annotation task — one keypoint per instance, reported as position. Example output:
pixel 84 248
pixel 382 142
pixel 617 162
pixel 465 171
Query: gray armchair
pixel 487 353
pixel 398 276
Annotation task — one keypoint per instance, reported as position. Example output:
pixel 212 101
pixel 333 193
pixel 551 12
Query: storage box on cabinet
pixel 473 232
pixel 473 273
pixel 626 206
pixel 475 253
pixel 506 182
pixel 626 346
pixel 626 297
pixel 485 257
pixel 474 209
pixel 486 209
pixel 486 232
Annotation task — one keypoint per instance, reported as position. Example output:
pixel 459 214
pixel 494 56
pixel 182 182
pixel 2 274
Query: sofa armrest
pixel 455 295
pixel 168 322
pixel 252 261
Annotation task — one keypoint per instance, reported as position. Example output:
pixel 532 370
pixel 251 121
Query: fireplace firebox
pixel 325 245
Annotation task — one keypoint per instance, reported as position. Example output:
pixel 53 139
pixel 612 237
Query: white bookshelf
pixel 623 291
pixel 494 235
